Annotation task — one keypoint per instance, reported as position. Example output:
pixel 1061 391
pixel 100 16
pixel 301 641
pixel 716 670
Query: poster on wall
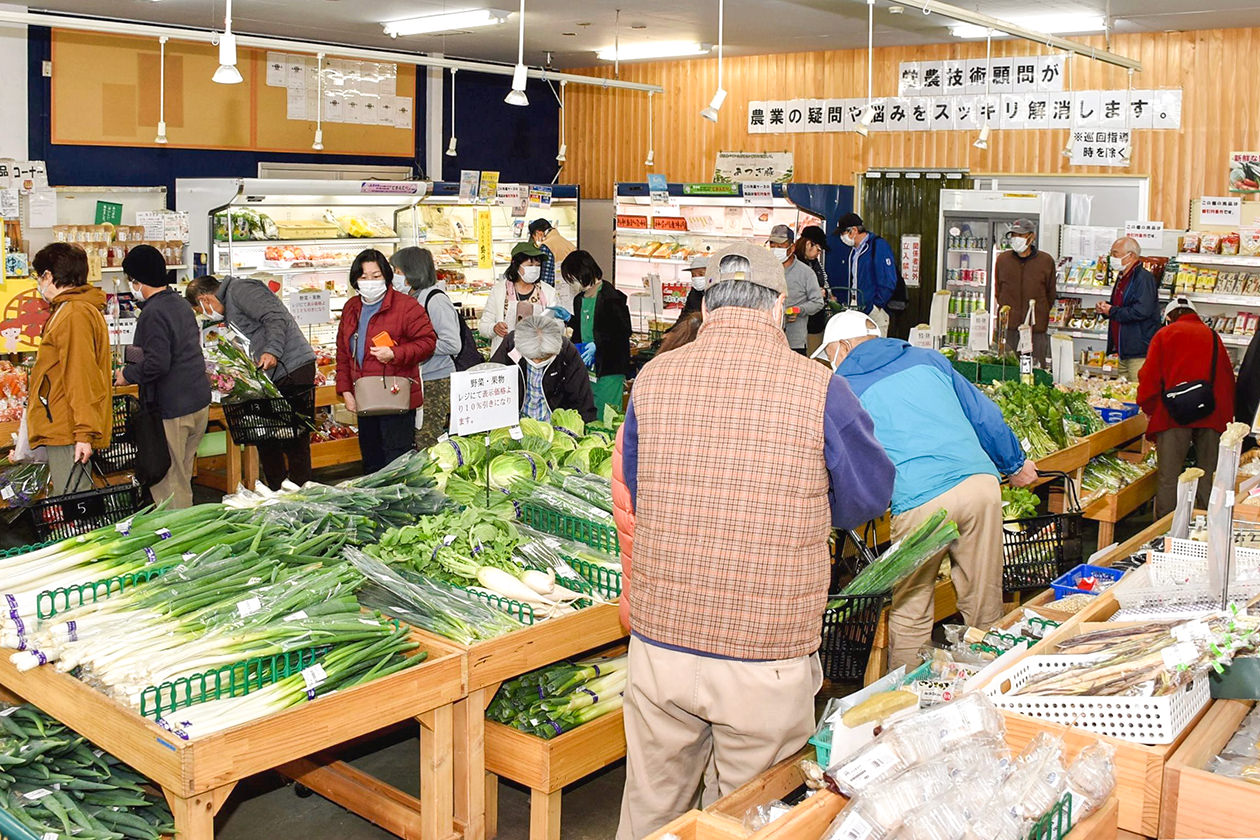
pixel 911 245
pixel 734 167
pixel 1100 148
pixel 22 315
pixel 1244 172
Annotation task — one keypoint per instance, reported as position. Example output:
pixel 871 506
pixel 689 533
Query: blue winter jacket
pixel 1138 315
pixel 937 428
pixel 871 269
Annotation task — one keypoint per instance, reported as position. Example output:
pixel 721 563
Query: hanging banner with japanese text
pixel 1100 148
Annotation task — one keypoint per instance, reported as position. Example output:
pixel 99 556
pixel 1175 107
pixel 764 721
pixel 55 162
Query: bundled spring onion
pixel 558 698
pixel 55 785
pixel 563 501
pixel 904 557
pixel 594 489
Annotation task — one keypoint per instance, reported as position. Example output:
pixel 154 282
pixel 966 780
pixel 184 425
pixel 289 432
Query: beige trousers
pixel 690 718
pixel 975 504
pixel 183 436
pixel 1130 368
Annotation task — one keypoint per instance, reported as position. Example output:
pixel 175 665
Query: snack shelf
pixel 337 240
pixel 117 269
pixel 1219 259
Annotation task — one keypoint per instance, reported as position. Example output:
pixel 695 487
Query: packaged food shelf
pixel 1199 803
pixel 198 776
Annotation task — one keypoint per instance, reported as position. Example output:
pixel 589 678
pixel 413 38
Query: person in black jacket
pixel 1247 391
pixel 553 375
pixel 601 328
pixel 167 363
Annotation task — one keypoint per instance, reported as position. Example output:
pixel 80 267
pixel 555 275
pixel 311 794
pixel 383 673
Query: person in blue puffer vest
pixel 950 445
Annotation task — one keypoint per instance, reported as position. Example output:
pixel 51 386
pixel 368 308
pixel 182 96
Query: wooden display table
pixel 198 776
pixel 1198 803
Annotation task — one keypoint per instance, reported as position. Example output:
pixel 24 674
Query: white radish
pixel 508 586
pixel 544 583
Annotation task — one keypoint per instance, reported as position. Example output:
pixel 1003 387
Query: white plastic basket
pixel 1146 720
pixel 1186 562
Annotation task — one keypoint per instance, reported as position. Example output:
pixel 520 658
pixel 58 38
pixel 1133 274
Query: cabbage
pixel 454 453
pixel 605 469
pixel 600 438
pixel 529 443
pixel 537 428
pixel 586 458
pixel 569 420
pixel 562 444
pixel 511 466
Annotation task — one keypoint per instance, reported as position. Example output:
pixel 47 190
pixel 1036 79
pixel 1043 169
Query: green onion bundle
pixel 904 557
pixel 556 699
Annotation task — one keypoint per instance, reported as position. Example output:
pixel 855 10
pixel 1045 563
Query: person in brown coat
pixel 1022 274
pixel 70 408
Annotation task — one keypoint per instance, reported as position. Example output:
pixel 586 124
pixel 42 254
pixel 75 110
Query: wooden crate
pixel 1117 434
pixel 546 766
pixel 198 776
pixel 1198 803
pixel 776 783
pixel 697 825
pixel 333 452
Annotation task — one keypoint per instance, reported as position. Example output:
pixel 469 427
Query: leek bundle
pixel 922 545
pixel 553 700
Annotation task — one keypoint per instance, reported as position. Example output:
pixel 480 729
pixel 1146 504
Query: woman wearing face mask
pixel 601 328
pixel 518 295
pixel 69 412
pixel 552 373
pixel 383 332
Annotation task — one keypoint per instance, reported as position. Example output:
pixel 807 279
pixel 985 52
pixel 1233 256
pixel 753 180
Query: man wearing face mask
pixel 804 295
pixel 277 346
pixel 553 375
pixel 736 455
pixel 1133 310
pixel 695 297
pixel 949 444
pixel 872 269
pixel 1024 274
pixel 171 370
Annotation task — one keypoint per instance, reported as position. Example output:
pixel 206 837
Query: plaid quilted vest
pixel 732 513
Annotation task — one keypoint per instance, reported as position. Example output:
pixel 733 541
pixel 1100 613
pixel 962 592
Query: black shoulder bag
pixel 1190 402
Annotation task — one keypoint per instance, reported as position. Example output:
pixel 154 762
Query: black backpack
pixel 468 355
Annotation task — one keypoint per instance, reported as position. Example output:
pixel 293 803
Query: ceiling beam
pixel 997 24
pixel 178 33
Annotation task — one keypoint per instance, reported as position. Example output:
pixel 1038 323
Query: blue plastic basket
pixel 1115 415
pixel 1066 585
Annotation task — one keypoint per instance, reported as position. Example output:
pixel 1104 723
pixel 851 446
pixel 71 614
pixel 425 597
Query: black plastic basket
pixel 273 420
pixel 71 514
pixel 848 632
pixel 1038 549
pixel 120 455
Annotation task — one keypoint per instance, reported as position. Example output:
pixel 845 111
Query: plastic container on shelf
pixel 1069 583
pixel 1115 415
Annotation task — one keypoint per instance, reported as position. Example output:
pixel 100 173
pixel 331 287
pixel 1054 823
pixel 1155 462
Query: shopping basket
pixel 120 455
pixel 271 420
pixel 849 625
pixel 1038 549
pixel 71 514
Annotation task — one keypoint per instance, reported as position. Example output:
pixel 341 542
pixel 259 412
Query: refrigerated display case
pixel 655 240
pixel 974 225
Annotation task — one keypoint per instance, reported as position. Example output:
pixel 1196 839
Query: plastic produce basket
pixel 552 521
pixel 1115 415
pixel 1144 720
pixel 1067 584
pixel 274 420
pixel 120 455
pixel 59 517
pixel 848 632
pixel 11 828
pixel 1037 549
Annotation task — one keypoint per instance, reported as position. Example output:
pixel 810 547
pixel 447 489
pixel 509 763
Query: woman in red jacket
pixel 1183 352
pixel 382 333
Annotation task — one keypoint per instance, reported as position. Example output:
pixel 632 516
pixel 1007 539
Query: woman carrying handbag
pixel 383 337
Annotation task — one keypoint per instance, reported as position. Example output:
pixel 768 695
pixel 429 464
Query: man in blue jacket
pixel 1133 309
pixel 949 444
pixel 871 269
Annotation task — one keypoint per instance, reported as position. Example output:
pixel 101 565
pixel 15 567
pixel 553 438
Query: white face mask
pixel 536 365
pixel 210 314
pixel 531 273
pixel 1117 263
pixel 847 239
pixel 699 282
pixel 371 290
pixel 401 285
pixel 44 290
pixel 780 254
pixel 1018 244
pixel 136 291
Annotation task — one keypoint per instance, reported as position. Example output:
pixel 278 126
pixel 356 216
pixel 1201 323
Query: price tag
pixel 853 827
pixel 1179 655
pixel 37 794
pixel 297 616
pixel 1025 365
pixel 517 433
pixel 448 539
pixel 50 835
pixel 1191 631
pixel 7 492
pixel 314 676
pixel 248 607
pixel 869 766
pixel 163 534
pixel 921 337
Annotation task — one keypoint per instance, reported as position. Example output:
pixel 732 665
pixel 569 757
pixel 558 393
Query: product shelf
pixel 331 240
pixel 1219 259
pixel 1193 797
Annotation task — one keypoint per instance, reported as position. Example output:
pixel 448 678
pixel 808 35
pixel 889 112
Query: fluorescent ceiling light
pixel 1049 24
pixel 445 22
pixel 652 49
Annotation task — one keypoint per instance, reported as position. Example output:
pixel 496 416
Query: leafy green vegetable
pixel 453 453
pixel 905 556
pixel 510 466
pixel 569 420
pixel 1018 503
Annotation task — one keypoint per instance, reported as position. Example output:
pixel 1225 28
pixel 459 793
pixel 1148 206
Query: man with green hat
pixel 518 294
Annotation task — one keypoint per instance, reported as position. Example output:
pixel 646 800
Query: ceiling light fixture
pixel 982 142
pixel 445 22
pixel 560 155
pixel 161 132
pixel 227 74
pixel 715 104
pixel 1049 24
pixel 318 145
pixel 450 147
pixel 651 155
pixel 521 73
pixel 653 49
pixel 868 115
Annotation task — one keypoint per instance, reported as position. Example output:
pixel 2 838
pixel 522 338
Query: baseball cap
pixel 1023 227
pixel 813 233
pixel 529 249
pixel 1179 302
pixel 697 264
pixel 764 269
pixel 539 224
pixel 847 221
pixel 850 323
pixel 780 234
pixel 145 265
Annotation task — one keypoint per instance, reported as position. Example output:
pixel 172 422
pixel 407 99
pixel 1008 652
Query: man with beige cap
pixel 950 445
pixel 736 459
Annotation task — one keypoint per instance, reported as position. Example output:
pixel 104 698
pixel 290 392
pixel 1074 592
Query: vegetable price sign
pixel 1244 172
pixel 485 399
pixel 311 308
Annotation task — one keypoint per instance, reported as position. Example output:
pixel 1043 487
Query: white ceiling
pixel 571 30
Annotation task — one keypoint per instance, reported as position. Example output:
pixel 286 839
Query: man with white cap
pixel 1186 388
pixel 949 444
pixel 1023 274
pixel 695 297
pixel 804 295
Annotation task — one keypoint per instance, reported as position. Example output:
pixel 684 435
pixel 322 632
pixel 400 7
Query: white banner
pixel 1100 148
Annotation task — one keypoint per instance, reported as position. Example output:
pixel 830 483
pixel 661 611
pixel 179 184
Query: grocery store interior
pixel 772 419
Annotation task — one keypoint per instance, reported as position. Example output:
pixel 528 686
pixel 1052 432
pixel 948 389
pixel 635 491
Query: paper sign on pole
pixel 1146 234
pixel 489 185
pixel 311 308
pixel 482 400
pixel 978 339
pixel 1220 210
pixel 921 336
pixel 911 260
pixel 485 240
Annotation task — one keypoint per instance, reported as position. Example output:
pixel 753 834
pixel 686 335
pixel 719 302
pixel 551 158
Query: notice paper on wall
pixel 485 399
pixel 1147 234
